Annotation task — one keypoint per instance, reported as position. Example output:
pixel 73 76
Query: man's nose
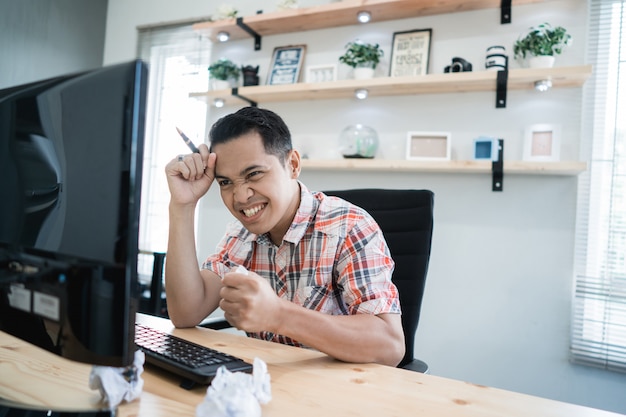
pixel 242 191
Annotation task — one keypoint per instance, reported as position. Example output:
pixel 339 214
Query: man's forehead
pixel 228 164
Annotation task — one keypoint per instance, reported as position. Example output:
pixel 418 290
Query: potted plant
pixel 226 71
pixel 540 42
pixel 225 11
pixel 363 57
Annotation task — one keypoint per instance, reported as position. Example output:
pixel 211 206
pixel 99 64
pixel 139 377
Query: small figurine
pixel 250 75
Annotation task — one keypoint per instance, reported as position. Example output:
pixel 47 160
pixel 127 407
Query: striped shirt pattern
pixel 333 259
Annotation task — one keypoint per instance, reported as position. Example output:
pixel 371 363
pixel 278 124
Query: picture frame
pixel 410 53
pixel 286 64
pixel 428 146
pixel 542 142
pixel 321 73
pixel 486 149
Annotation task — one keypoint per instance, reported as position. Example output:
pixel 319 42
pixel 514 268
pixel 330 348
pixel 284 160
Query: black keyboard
pixel 193 362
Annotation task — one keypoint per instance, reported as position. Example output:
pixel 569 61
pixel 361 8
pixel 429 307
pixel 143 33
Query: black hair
pixel 270 126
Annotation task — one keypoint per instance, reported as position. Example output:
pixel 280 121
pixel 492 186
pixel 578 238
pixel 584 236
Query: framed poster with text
pixel 410 53
pixel 286 64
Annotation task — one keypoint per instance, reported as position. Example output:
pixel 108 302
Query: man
pixel 318 269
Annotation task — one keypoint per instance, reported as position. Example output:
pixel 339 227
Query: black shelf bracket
pixel 501 86
pixel 235 92
pixel 505 11
pixel 251 32
pixel 497 168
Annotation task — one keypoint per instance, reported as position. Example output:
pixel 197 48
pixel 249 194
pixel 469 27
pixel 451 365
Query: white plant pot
pixel 363 73
pixel 221 84
pixel 543 61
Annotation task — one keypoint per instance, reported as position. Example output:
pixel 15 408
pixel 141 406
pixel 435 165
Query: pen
pixel 188 141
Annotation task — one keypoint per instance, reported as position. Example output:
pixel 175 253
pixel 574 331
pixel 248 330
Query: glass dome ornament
pixel 358 141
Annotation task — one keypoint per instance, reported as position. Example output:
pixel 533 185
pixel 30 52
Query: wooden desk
pixel 304 383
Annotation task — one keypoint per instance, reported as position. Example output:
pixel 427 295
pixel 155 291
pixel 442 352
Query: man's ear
pixel 294 164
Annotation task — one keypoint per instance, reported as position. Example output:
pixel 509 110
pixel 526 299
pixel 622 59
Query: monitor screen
pixel 71 151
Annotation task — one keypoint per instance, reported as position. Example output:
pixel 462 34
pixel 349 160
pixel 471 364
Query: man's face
pixel 259 191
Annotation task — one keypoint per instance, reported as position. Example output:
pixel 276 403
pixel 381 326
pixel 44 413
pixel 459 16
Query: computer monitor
pixel 71 151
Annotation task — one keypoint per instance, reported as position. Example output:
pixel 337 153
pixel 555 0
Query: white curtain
pixel 178 58
pixel 599 307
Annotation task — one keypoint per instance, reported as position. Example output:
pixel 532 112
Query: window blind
pixel 599 299
pixel 178 58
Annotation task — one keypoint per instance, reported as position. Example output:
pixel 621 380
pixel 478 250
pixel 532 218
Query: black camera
pixel 458 65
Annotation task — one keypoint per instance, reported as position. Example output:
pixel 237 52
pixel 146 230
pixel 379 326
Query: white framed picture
pixel 428 146
pixel 321 73
pixel 542 142
pixel 286 64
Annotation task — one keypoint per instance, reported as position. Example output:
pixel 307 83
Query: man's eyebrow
pixel 243 172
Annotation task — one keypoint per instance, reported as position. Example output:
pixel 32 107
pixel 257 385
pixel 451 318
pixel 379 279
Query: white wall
pixel 42 39
pixel 497 304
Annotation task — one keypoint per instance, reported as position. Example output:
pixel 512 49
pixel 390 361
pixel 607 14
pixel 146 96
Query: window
pixel 599 308
pixel 178 59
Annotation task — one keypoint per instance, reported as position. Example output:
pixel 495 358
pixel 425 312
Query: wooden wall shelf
pixel 567 168
pixel 459 82
pixel 342 13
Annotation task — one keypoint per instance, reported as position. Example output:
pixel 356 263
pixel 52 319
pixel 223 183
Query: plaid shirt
pixel 333 259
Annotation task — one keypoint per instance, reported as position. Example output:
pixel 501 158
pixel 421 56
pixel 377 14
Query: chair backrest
pixel 152 300
pixel 406 219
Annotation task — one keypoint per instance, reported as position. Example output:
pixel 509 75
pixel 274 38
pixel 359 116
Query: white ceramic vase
pixel 542 61
pixel 363 73
pixel 221 84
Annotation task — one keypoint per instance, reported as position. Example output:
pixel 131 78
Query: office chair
pixel 406 219
pixel 152 300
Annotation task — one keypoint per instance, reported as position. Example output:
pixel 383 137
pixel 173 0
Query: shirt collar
pixel 304 215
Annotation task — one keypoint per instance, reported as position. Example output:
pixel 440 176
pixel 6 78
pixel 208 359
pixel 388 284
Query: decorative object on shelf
pixel 225 11
pixel 542 142
pixel 541 44
pixel 226 71
pixel 496 58
pixel 358 141
pixel 321 73
pixel 410 53
pixel 286 64
pixel 363 57
pixel 458 65
pixel 286 4
pixel 542 61
pixel 428 146
pixel 250 75
pixel 485 148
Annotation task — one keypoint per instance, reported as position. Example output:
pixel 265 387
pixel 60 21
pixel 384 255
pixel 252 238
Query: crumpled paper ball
pixel 237 394
pixel 119 384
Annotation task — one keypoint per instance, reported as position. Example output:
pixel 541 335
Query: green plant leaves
pixel 542 40
pixel 224 69
pixel 361 54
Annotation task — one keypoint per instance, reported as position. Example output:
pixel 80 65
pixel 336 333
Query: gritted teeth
pixel 252 211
